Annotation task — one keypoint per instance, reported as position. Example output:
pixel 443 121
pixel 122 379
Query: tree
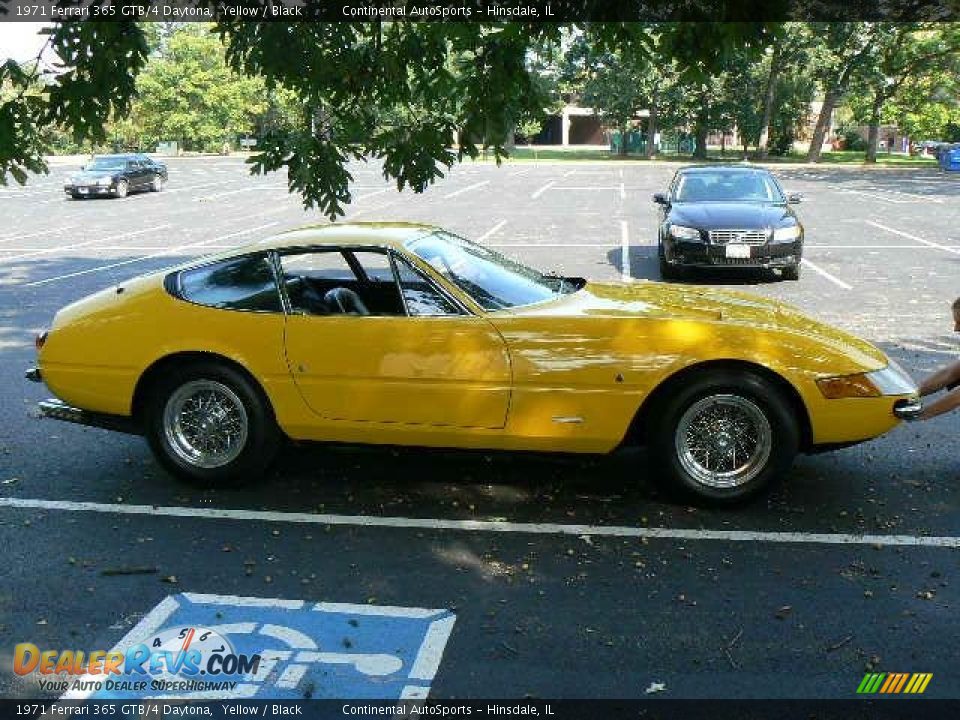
pixel 398 91
pixel 842 50
pixel 189 94
pixel 904 54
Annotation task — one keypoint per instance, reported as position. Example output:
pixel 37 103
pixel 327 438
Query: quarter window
pixel 245 283
pixel 420 295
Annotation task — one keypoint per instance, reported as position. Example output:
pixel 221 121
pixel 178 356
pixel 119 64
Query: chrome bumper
pixel 908 409
pixel 59 410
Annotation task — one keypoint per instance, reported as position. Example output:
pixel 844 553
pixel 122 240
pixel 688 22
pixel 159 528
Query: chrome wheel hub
pixel 723 440
pixel 205 423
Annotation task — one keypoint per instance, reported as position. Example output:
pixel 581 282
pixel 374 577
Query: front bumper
pixel 700 254
pixel 89 189
pixel 907 409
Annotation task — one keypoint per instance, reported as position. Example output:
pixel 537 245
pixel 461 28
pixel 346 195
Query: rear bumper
pixel 59 410
pixel 698 254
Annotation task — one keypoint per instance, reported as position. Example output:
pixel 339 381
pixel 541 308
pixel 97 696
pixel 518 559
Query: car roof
pixel 722 168
pixel 387 234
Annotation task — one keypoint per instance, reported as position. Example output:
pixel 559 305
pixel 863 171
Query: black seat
pixel 346 301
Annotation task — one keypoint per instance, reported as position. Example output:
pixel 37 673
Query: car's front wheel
pixel 122 189
pixel 209 424
pixel 157 184
pixel 724 436
pixel 792 272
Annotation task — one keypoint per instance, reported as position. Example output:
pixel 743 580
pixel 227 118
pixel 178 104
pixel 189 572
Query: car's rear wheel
pixel 209 424
pixel 122 189
pixel 723 436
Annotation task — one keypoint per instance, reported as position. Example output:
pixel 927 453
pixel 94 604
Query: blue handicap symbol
pixel 306 650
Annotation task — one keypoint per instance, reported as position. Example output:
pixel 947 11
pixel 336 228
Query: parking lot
pixel 567 577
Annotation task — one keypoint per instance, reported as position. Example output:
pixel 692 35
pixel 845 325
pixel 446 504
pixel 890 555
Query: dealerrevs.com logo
pixel 186 659
pixel 894 683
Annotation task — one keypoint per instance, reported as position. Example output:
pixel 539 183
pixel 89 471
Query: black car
pixel 116 175
pixel 728 216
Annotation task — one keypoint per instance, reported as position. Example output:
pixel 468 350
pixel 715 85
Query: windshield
pixel 493 281
pixel 107 164
pixel 727 186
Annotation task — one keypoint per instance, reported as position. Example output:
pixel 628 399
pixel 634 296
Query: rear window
pixel 245 283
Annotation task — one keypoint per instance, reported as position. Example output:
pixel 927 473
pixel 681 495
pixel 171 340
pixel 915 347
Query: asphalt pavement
pixel 568 578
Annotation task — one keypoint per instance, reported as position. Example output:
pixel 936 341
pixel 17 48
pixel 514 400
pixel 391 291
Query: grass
pixel 837 157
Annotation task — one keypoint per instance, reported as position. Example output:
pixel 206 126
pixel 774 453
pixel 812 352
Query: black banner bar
pixel 854 709
pixel 485 11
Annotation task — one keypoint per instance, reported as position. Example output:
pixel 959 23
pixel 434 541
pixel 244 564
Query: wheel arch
pixel 637 432
pixel 157 369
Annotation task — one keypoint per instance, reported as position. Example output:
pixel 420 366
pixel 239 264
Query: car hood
pixel 665 301
pixel 716 215
pixel 85 175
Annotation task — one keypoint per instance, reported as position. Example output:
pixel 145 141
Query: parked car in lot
pixel 728 216
pixel 116 175
pixel 409 335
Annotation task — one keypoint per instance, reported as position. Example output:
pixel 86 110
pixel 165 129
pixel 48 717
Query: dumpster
pixel 950 158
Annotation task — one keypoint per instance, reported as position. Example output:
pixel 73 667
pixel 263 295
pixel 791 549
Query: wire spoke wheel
pixel 205 423
pixel 723 440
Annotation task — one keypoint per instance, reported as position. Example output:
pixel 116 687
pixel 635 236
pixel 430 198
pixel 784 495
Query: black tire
pixel 262 436
pixel 157 183
pixel 714 391
pixel 76 196
pixel 791 272
pixel 123 188
pixel 667 271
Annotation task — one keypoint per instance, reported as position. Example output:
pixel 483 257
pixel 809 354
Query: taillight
pixel 40 339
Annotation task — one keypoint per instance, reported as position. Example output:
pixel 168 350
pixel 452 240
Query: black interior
pixel 316 296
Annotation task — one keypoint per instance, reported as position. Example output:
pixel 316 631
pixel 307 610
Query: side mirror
pixel 660 199
pixel 794 198
pixel 83 167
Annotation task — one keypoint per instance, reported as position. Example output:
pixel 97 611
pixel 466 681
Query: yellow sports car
pixel 409 335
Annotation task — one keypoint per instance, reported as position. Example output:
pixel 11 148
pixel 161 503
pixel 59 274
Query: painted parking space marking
pixel 161 253
pixel 492 231
pixel 823 273
pixel 625 252
pixel 928 243
pixel 87 243
pixel 468 188
pixel 298 649
pixel 542 190
pixel 492 526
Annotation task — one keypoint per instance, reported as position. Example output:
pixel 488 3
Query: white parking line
pixel 62 248
pixel 161 253
pixel 492 231
pixel 493 526
pixel 468 188
pixel 625 252
pixel 819 270
pixel 36 234
pixel 541 191
pixel 908 236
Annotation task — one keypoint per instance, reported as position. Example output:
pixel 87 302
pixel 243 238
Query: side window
pixel 325 283
pixel 245 283
pixel 420 295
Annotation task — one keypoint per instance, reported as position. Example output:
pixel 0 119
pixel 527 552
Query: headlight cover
pixel 682 232
pixel 891 380
pixel 784 234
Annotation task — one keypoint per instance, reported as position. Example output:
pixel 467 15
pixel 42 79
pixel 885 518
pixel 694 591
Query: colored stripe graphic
pixel 894 683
